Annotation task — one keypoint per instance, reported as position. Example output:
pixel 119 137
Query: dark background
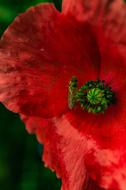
pixel 21 167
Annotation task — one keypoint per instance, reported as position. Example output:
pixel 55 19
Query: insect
pixel 73 88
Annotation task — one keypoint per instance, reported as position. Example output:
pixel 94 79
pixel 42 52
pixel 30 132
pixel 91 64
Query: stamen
pixel 94 96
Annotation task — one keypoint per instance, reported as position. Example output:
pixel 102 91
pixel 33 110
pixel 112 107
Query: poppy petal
pixel 83 10
pixel 108 14
pixel 78 151
pixel 103 153
pixel 39 53
pixel 64 151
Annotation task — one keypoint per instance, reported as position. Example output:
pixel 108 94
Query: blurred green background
pixel 21 167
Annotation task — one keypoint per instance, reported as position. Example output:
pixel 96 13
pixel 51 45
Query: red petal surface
pixel 106 13
pixel 39 53
pixel 64 151
pixel 82 9
pixel 104 160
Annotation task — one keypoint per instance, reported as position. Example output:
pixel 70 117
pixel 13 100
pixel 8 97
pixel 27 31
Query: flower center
pixel 93 96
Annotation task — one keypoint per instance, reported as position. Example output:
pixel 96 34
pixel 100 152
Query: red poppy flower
pixel 64 73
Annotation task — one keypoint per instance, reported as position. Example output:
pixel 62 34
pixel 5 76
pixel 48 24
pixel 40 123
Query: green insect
pixel 73 88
